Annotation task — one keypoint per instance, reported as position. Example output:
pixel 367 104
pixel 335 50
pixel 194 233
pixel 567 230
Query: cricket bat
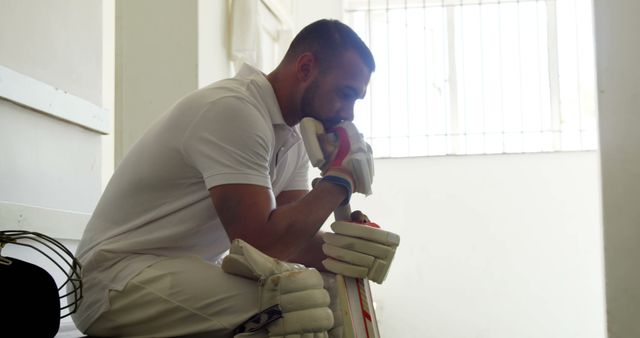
pixel 354 298
pixel 354 294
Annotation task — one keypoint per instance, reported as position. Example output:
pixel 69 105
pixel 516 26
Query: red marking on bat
pixel 365 314
pixel 373 225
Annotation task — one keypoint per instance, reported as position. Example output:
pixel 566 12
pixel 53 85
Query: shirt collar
pixel 266 92
pixel 286 136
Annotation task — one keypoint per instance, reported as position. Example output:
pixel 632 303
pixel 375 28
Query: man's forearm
pixel 295 225
pixel 311 255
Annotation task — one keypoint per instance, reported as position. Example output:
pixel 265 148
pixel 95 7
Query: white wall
pixel 165 49
pixel 44 40
pixel 47 163
pixel 156 62
pixel 51 170
pixel 491 246
pixel 213 41
pixel 618 52
pixel 308 11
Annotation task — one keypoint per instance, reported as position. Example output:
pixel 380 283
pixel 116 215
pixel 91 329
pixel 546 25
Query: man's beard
pixel 308 97
pixel 309 109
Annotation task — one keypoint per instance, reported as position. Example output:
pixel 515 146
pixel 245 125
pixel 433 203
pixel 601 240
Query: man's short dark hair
pixel 328 39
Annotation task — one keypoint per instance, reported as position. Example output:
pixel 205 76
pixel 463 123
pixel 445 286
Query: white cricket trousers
pixel 175 297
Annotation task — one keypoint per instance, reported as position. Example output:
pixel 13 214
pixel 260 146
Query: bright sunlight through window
pixel 477 77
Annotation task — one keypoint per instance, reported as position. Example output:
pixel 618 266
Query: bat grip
pixel 343 213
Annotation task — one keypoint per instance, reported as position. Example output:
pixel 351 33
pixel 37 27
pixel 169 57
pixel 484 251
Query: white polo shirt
pixel 157 203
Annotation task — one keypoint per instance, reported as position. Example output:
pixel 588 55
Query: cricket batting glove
pixel 359 250
pixel 341 154
pixel 295 290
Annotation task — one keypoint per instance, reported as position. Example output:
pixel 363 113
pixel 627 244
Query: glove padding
pixel 341 153
pixel 353 158
pixel 359 251
pixel 298 290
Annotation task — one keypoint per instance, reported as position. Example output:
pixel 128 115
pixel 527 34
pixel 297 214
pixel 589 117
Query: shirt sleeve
pixel 230 142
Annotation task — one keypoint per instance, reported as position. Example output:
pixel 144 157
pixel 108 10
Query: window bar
pixel 406 67
pixel 521 96
pixel 444 97
pixel 426 79
pixel 554 79
pixel 540 82
pixel 447 104
pixel 578 68
pixel 462 97
pixel 482 70
pixel 370 41
pixel 500 79
pixel 453 81
pixel 389 101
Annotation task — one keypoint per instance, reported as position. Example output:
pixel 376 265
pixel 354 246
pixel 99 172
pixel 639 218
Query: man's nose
pixel 347 112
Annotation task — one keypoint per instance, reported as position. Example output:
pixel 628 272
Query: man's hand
pixel 341 154
pixel 298 291
pixel 359 250
pixel 352 159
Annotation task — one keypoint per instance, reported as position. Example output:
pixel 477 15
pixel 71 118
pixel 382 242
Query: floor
pixel 68 330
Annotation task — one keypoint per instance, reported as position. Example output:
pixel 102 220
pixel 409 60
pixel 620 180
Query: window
pixel 477 77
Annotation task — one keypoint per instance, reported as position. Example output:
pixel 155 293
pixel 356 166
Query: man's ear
pixel 306 66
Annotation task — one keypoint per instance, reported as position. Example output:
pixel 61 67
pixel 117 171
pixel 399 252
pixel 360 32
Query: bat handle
pixel 343 213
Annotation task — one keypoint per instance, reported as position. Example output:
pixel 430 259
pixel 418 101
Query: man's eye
pixel 345 95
